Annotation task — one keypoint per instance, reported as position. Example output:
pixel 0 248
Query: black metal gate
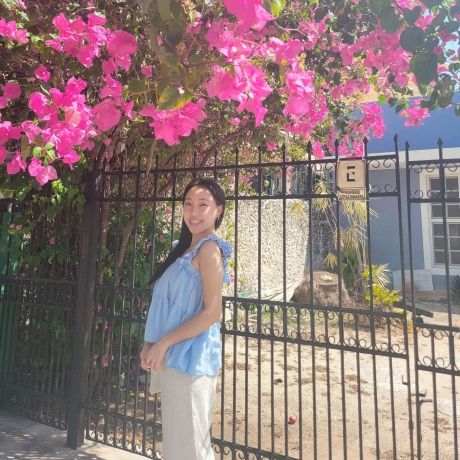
pixel 358 373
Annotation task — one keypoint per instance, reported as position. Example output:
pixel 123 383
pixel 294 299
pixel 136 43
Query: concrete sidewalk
pixel 21 438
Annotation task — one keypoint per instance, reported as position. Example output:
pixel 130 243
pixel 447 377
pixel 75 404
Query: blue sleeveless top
pixel 177 297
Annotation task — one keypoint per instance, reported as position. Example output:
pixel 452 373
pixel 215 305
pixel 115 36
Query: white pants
pixel 187 407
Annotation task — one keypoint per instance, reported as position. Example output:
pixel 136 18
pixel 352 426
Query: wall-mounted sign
pixel 351 179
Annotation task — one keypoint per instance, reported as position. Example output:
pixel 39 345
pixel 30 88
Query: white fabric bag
pixel 154 386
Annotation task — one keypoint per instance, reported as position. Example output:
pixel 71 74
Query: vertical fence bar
pixel 414 311
pixel 403 291
pixel 447 262
pixel 371 304
pixel 84 314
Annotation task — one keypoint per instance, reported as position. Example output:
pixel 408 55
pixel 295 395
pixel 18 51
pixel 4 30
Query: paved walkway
pixel 21 438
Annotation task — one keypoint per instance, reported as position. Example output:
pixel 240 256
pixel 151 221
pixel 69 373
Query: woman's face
pixel 200 210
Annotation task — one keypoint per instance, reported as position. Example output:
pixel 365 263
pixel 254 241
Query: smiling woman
pixel 182 346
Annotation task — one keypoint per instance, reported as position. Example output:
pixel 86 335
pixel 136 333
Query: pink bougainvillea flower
pixel 235 121
pixel 112 88
pixel 109 66
pixel 121 43
pixel 170 125
pixel 42 174
pixel 3 102
pixel 317 150
pixel 69 157
pixel 75 85
pixel 372 119
pixel 424 21
pixel 72 117
pixel 250 13
pixel 147 70
pixel 16 164
pixel 414 116
pixel 34 167
pixel 11 90
pixel 38 102
pixel 42 73
pixel 31 130
pixel 106 114
pixel 284 51
pixel 8 131
pixel 127 108
pixel 271 146
pixel 96 20
pixel 86 55
pixel 11 32
pixel 224 85
pixel 254 106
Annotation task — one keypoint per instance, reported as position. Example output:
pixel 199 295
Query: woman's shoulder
pixel 213 240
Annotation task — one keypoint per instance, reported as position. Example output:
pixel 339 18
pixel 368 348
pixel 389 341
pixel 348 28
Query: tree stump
pixel 325 291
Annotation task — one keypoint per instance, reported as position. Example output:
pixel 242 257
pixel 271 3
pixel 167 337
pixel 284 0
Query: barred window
pixel 452 224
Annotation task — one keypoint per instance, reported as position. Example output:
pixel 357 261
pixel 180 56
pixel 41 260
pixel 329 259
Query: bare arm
pixel 212 272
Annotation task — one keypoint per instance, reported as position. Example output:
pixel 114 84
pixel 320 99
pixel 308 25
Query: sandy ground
pixel 350 395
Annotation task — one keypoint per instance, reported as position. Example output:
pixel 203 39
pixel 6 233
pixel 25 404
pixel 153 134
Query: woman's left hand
pixel 155 355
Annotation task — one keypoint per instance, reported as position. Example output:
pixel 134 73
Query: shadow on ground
pixel 24 439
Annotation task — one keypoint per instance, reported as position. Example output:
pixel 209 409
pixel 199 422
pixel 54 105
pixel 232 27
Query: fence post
pixel 84 313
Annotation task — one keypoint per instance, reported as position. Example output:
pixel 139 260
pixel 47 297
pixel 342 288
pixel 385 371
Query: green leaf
pixel 382 99
pixel 424 66
pixel 164 8
pixel 37 152
pixel 431 3
pixel 411 15
pixel 321 12
pixel 431 43
pixel 390 20
pixel 172 98
pixel 195 58
pixel 137 85
pixel 451 27
pixel 50 157
pixel 412 39
pixel 275 6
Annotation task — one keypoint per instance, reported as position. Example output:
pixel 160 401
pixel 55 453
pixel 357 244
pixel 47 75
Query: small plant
pixel 455 288
pixel 381 295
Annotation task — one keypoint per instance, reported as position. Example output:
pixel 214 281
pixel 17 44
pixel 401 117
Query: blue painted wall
pixel 384 228
pixel 385 233
pixel 443 124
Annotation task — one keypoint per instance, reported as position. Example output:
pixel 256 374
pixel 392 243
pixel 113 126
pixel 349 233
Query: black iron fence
pixel 37 310
pixel 322 358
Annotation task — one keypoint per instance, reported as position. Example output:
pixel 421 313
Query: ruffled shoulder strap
pixel 225 249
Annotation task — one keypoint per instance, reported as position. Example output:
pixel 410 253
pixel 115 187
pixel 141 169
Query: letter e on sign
pixel 351 174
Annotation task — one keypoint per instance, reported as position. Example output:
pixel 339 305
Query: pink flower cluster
pixel 10 132
pixel 250 13
pixel 9 92
pixel 247 86
pixel 170 125
pixel 414 116
pixel 79 39
pixel 10 31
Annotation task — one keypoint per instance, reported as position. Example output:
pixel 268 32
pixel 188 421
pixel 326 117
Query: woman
pixel 182 335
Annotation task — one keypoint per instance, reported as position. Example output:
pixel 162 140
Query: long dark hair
pixel 185 237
